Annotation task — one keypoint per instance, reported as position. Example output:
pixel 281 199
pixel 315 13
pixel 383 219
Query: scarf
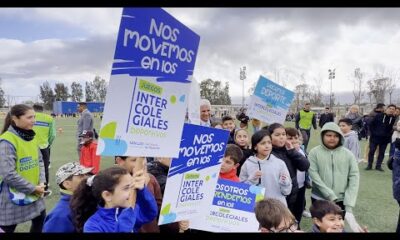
pixel 27 135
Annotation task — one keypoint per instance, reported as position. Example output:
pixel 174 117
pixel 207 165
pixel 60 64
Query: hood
pixel 351 133
pixel 331 126
pixel 255 160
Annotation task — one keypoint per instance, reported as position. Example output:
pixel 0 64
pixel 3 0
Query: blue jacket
pixel 59 219
pixel 396 175
pixel 124 219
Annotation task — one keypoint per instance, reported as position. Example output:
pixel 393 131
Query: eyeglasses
pixel 292 228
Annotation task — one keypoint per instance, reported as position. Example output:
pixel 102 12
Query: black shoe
pixel 379 169
pixel 368 168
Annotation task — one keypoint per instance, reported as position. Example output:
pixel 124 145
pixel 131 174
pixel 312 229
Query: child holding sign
pixel 265 169
pixel 113 201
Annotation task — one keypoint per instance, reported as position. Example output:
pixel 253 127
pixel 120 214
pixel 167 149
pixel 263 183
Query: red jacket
pixel 89 157
pixel 231 175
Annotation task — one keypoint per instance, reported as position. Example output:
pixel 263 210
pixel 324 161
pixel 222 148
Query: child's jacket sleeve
pixel 146 208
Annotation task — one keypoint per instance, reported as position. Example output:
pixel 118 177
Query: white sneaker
pixel 49 166
pixel 306 214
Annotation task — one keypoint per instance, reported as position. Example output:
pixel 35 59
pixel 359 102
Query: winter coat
pixel 351 142
pixel 271 168
pixel 356 120
pixel 60 219
pixel 381 127
pixel 246 154
pixel 124 219
pixel 89 158
pixel 325 117
pixel 334 172
pixel 396 174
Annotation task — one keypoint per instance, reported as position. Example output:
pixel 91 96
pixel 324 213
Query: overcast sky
pixel 75 44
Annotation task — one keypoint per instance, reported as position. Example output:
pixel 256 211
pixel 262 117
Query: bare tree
pixel 393 78
pixel 358 86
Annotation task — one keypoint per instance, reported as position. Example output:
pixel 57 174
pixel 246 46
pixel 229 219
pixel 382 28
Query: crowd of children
pixel 127 197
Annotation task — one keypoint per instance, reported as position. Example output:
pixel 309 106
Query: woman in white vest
pixel 21 172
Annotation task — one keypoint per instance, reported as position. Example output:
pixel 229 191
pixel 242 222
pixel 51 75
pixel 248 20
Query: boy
pixel 334 173
pixel 274 217
pixel 350 137
pixel 88 151
pixel 327 217
pixel 229 124
pixel 129 162
pixel 68 177
pixel 230 163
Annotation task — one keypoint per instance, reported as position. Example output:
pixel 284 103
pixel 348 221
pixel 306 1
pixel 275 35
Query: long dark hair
pixel 85 199
pixel 17 110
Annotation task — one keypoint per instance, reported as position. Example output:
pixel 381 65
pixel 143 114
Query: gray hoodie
pixel 271 169
pixel 351 142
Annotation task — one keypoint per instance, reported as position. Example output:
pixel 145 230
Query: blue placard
pixel 236 195
pixel 201 147
pixel 153 43
pixel 274 95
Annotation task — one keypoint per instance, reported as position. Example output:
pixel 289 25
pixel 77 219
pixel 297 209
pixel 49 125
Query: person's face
pixel 121 194
pixel 25 121
pixel 286 226
pixel 86 140
pixel 344 127
pixel 72 185
pixel 331 139
pixel 326 110
pixel 390 110
pixel 307 107
pixel 229 125
pixel 242 138
pixel 227 164
pixel 294 140
pixel 278 137
pixel 330 223
pixel 80 108
pixel 354 110
pixel 129 163
pixel 205 113
pixel 264 147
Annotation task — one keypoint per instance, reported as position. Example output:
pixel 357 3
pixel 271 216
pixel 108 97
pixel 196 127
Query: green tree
pixel 61 92
pixel 215 92
pixel 99 88
pixel 2 98
pixel 89 92
pixel 76 92
pixel 47 95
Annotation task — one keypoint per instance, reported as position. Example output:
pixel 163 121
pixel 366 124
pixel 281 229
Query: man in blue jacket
pixel 68 177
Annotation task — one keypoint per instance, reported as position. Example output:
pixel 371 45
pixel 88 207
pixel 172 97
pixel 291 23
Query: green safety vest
pixel 27 166
pixel 42 129
pixel 306 119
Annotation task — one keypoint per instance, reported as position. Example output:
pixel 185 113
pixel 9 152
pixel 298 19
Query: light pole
pixel 242 78
pixel 331 76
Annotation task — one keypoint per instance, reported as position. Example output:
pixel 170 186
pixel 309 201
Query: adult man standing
pixel 305 118
pixel 381 132
pixel 205 113
pixel 85 122
pixel 45 134
pixel 327 116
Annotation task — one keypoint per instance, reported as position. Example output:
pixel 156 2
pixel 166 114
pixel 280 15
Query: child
pixel 152 185
pixel 229 124
pixel 327 217
pixel 293 135
pixel 232 156
pixel 350 137
pixel 265 169
pixel 395 135
pixel 274 217
pixel 241 138
pixel 294 160
pixel 68 177
pixel 106 202
pixel 88 157
pixel 334 172
pixel 216 125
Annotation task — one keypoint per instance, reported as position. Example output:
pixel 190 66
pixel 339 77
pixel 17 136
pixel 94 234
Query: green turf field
pixel 375 207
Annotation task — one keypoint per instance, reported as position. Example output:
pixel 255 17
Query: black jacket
pixel 325 117
pixel 246 154
pixel 381 128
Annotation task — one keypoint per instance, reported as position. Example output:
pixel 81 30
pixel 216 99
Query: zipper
pixel 116 214
pixel 333 176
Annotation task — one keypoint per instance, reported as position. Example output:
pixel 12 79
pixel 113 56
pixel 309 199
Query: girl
pixel 241 138
pixel 294 160
pixel 22 178
pixel 106 202
pixel 265 169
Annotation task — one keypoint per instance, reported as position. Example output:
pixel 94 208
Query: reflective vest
pixel 306 119
pixel 27 166
pixel 42 129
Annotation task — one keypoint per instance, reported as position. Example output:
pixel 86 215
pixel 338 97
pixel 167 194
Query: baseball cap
pixel 70 169
pixel 87 133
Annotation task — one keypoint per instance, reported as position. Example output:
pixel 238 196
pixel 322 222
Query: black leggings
pixel 398 222
pixel 37 224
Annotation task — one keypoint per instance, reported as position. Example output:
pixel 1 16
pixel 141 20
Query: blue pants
pixel 381 154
